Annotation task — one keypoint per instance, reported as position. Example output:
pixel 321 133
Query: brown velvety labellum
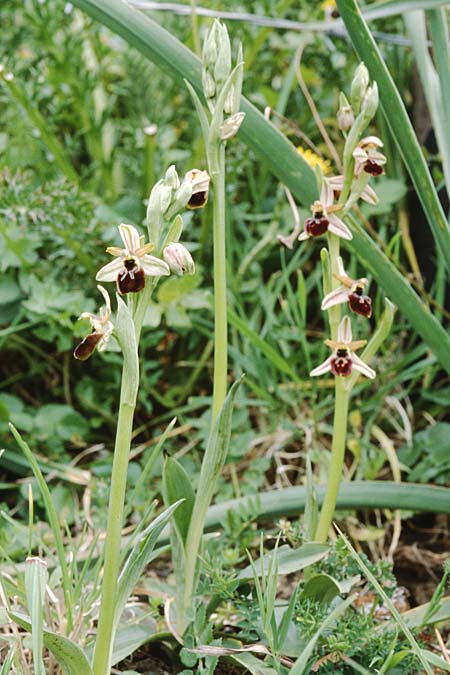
pixel 316 226
pixel 131 281
pixel 87 346
pixel 373 168
pixel 198 200
pixel 360 304
pixel 341 364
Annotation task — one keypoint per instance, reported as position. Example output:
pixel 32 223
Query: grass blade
pixel 389 604
pixel 399 123
pixel 53 522
pixel 36 576
pixel 381 10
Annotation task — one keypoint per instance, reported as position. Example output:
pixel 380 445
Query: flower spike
pixel 101 330
pixel 344 360
pixel 323 218
pixel 132 263
pixel 351 291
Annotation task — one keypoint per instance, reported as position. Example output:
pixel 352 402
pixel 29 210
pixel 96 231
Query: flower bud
pixel 222 67
pixel 171 178
pixel 209 55
pixel 200 188
pixel 359 87
pixel 179 259
pixel 369 104
pixel 209 86
pixel 231 126
pixel 345 115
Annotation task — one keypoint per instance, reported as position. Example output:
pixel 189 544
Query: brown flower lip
pixel 341 363
pixel 131 279
pixel 87 346
pixel 317 225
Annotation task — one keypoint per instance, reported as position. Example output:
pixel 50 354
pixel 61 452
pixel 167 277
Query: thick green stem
pixel 105 637
pixel 342 394
pixel 217 169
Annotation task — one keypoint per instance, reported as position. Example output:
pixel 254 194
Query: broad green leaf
pixel 414 618
pixel 9 290
pixel 278 154
pixel 399 123
pixel 177 485
pixel 289 560
pixel 320 587
pixel 142 553
pixel 132 634
pixel 69 656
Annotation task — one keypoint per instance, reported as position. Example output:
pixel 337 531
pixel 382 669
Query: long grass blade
pixel 399 123
pixel 36 576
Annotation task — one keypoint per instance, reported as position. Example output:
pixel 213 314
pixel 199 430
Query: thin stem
pixel 104 640
pixel 217 168
pixel 342 394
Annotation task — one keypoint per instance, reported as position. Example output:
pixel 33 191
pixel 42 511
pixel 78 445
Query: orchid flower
pixel 200 188
pixel 351 291
pixel 132 263
pixel 343 359
pixel 368 158
pixel 101 330
pixel 323 218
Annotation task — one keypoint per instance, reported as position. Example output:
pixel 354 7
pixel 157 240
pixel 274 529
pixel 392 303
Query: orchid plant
pixel 135 273
pixel 362 160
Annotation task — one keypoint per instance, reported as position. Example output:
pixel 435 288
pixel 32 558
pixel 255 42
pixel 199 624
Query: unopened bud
pixel 231 126
pixel 369 105
pixel 180 199
pixel 209 86
pixel 179 259
pixel 345 115
pixel 359 87
pixel 200 188
pixel 209 55
pixel 222 68
pixel 171 178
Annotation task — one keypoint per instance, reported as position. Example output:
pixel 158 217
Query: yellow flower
pixel 314 160
pixel 330 9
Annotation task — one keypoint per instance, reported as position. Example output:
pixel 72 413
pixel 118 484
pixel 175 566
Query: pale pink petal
pixel 371 140
pixel 154 267
pixel 345 331
pixel 369 195
pixel 130 237
pixel 362 367
pixel 337 297
pixel 359 154
pixel 324 367
pixel 336 182
pixel 339 228
pixel 110 271
pixel 326 194
pixel 105 294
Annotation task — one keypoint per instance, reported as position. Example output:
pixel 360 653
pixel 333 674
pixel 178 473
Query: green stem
pixel 342 394
pixel 216 153
pixel 105 637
